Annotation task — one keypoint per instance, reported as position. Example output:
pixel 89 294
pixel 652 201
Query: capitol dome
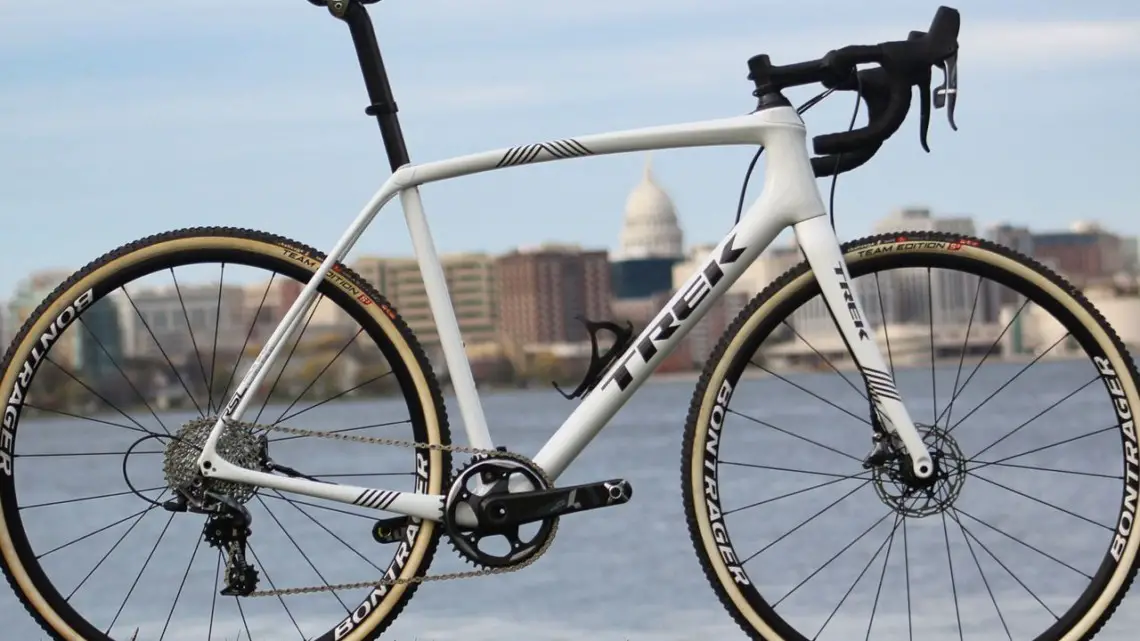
pixel 650 229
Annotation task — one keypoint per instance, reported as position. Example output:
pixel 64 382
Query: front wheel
pixel 117 378
pixel 1024 396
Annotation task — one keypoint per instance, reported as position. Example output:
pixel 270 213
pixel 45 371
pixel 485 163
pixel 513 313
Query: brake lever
pixel 922 78
pixel 924 107
pixel 947 93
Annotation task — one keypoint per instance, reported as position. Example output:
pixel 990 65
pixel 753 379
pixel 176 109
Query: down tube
pixel 689 304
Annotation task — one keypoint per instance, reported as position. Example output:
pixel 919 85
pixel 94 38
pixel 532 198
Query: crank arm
pixel 527 507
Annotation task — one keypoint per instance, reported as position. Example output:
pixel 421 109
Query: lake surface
pixel 630 573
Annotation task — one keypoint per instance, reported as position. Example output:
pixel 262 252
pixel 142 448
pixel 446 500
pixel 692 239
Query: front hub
pixel 903 491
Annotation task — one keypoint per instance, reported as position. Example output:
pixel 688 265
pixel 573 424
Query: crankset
pixel 506 510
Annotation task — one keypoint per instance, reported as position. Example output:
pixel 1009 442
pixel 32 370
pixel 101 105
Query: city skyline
pixel 197 115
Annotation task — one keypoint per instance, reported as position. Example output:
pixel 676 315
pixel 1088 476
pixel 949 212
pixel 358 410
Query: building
pixel 176 323
pixel 767 267
pixel 651 242
pixel 7 331
pixel 542 290
pixel 904 303
pixel 30 292
pixel 100 352
pixel 1019 239
pixel 471 281
pixel 1085 255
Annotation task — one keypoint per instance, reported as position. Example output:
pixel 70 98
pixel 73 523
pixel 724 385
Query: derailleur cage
pixel 228 529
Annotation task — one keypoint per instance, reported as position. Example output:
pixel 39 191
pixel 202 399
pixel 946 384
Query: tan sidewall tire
pixel 280 249
pixel 858 252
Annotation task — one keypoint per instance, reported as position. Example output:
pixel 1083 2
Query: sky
pixel 123 118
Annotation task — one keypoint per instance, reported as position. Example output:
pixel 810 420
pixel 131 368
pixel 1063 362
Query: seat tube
pixel 820 246
pixel 450 338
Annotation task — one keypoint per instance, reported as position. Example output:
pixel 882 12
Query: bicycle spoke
pixel 855 583
pixel 997 341
pixel 106 556
pixel 326 529
pixel 342 430
pixel 193 341
pixel 280 599
pixel 982 573
pixel 217 327
pixel 998 561
pixel 89 498
pixel 854 477
pixel 127 379
pixel 139 575
pixel 1020 542
pixel 1035 417
pixel 886 325
pixel 102 529
pixel 786 469
pixel 285 363
pixel 162 351
pixel 984 464
pixel 1035 450
pixel 245 343
pixel 303 555
pixel 832 559
pixel 883 574
pixel 99 396
pixel 244 623
pixel 371 517
pixel 333 398
pixel 809 520
pixel 793 435
pixel 953 583
pixel 961 357
pixel 359 474
pixel 827 361
pixel 214 598
pixel 39 408
pixel 79 454
pixel 181 585
pixel 324 369
pixel 933 356
pixel 809 392
pixel 1045 503
pixel 1004 385
pixel 906 570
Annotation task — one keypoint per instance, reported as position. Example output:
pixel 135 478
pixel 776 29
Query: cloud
pixel 263 91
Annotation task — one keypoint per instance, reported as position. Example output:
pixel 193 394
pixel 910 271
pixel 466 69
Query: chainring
pixel 484 477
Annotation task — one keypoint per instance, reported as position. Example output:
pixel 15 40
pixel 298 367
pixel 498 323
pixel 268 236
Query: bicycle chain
pixel 458 449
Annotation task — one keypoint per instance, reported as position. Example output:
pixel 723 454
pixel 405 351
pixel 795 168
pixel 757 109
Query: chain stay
pixel 459 449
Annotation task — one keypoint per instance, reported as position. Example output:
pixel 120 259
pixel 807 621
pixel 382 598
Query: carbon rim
pixel 100 408
pixel 983 551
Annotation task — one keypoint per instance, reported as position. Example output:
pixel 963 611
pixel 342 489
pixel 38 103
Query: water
pixel 629 573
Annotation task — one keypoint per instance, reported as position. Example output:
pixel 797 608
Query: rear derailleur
pixel 228 530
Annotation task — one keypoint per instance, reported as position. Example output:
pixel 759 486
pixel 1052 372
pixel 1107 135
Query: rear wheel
pixel 138 351
pixel 1024 395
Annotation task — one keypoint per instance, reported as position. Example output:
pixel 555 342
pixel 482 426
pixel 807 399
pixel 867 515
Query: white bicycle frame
pixel 790 197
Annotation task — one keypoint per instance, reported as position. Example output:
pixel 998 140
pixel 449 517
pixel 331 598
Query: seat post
pixel 383 105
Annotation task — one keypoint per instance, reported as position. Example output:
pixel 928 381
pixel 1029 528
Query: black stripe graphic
pixel 560 149
pixel 363 498
pixel 388 500
pixel 532 153
pixel 376 499
pixel 880 384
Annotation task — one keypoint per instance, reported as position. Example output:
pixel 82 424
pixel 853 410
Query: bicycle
pixel 217 464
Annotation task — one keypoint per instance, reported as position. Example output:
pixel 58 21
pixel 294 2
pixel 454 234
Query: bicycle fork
pixel 820 246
